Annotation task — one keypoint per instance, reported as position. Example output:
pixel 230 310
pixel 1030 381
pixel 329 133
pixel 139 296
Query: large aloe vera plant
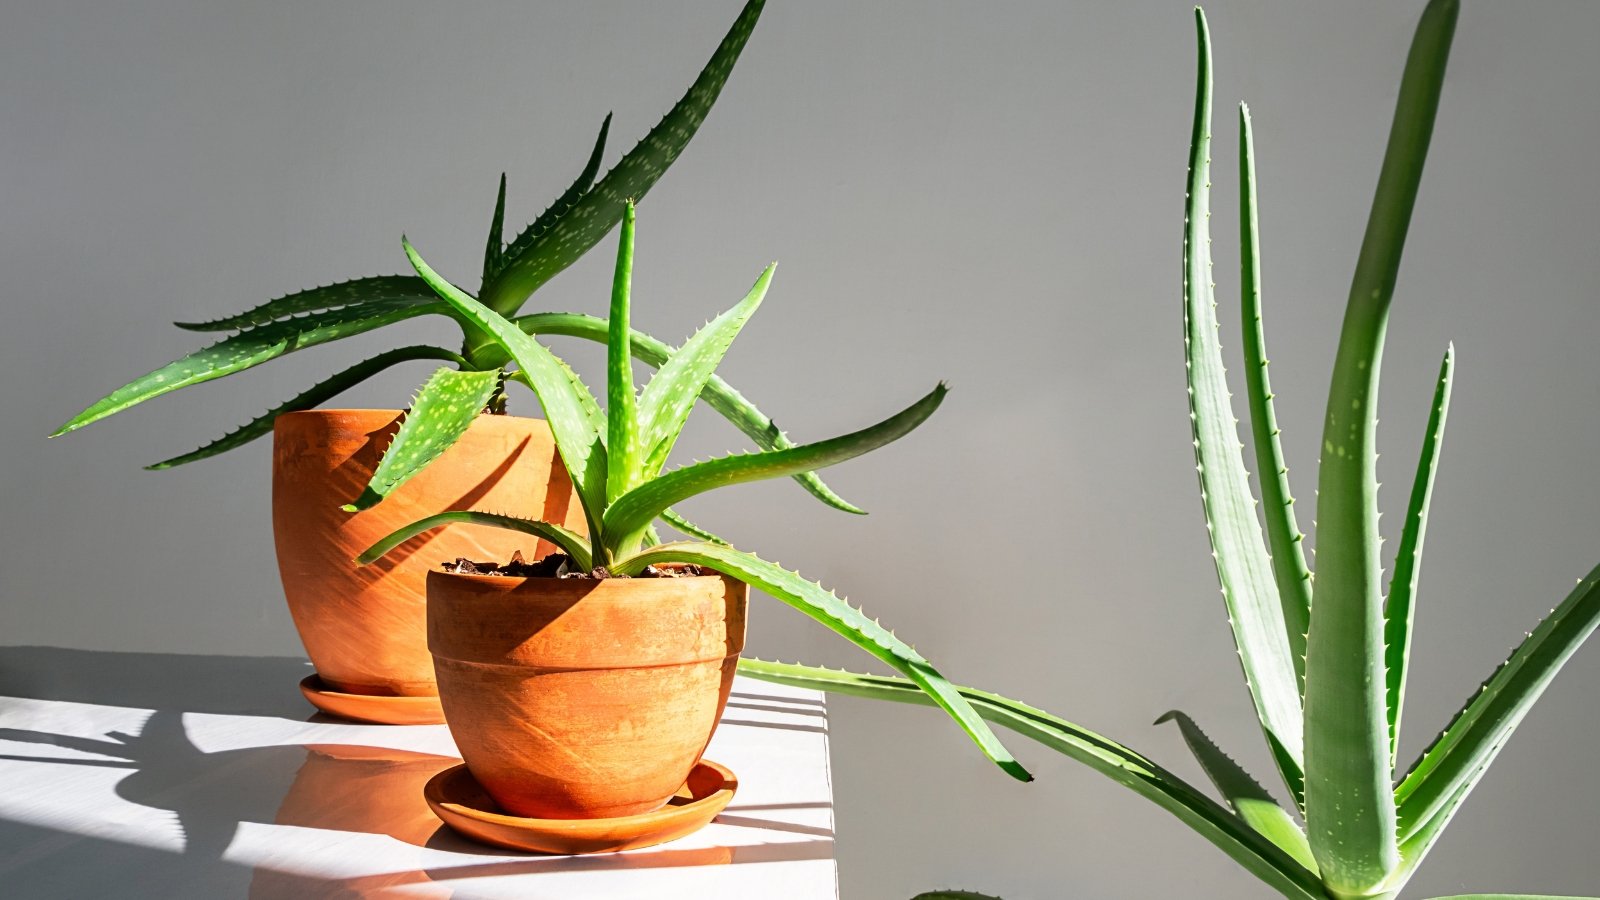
pixel 1325 658
pixel 617 459
pixel 471 380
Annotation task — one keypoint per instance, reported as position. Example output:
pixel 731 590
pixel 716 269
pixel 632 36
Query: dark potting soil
pixel 559 565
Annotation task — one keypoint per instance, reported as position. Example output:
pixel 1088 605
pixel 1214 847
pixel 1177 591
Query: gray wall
pixel 985 193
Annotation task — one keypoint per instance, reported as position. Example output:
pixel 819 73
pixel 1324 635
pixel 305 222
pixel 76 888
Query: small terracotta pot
pixel 364 628
pixel 575 698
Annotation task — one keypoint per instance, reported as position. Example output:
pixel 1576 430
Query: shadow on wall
pixel 232 685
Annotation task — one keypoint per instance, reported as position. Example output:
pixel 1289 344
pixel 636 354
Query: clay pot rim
pixel 519 580
pixel 321 421
pixel 331 412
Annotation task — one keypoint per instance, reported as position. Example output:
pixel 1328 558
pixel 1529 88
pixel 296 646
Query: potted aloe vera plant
pixel 364 629
pixel 593 695
pixel 1326 661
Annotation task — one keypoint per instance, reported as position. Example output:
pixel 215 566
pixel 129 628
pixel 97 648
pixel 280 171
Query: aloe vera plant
pixel 616 457
pixel 1325 659
pixel 472 380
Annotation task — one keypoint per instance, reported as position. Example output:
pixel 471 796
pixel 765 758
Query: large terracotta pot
pixel 365 628
pixel 576 698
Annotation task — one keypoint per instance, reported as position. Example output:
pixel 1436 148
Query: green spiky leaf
pixel 840 617
pixel 1126 767
pixel 247 349
pixel 1289 568
pixel 556 209
pixel 689 528
pixel 643 504
pixel 1414 848
pixel 1350 811
pixel 717 393
pixel 445 408
pixel 570 542
pixel 623 453
pixel 1457 758
pixel 1237 545
pixel 321 299
pixel 1400 609
pixel 569 408
pixel 495 255
pixel 496 243
pixel 667 400
pixel 1248 799
pixel 311 398
pixel 540 253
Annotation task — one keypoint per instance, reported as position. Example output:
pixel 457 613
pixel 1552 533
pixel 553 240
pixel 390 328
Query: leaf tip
pixel 1016 770
pixel 368 499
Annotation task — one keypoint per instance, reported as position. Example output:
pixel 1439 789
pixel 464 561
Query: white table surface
pixel 151 799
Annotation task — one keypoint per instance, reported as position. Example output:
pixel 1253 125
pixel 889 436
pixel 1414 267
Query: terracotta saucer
pixel 378 709
pixel 457 798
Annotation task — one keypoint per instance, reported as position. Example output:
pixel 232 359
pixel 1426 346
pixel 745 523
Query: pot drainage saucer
pixel 457 798
pixel 379 709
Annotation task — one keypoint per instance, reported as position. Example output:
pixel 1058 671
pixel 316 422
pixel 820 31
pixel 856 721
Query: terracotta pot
pixel 364 628
pixel 574 698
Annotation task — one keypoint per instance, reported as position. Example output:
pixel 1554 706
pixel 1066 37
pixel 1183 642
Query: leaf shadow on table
pixel 204 796
pixel 208 797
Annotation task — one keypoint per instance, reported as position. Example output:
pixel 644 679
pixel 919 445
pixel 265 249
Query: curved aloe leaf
pixel 953 895
pixel 1455 761
pixel 479 347
pixel 1237 546
pixel 689 528
pixel 247 349
pixel 444 409
pixel 1244 795
pixel 309 399
pixel 665 404
pixel 1414 848
pixel 840 617
pixel 540 253
pixel 623 455
pixel 717 393
pixel 640 506
pixel 554 211
pixel 1289 567
pixel 1350 811
pixel 321 299
pixel 1400 609
pixel 569 408
pixel 1122 765
pixel 570 542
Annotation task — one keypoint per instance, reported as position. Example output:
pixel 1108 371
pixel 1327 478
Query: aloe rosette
pixel 1327 677
pixel 617 458
pixel 471 380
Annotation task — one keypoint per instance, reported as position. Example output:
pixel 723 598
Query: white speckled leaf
pixel 546 248
pixel 320 299
pixel 253 347
pixel 666 401
pixel 443 411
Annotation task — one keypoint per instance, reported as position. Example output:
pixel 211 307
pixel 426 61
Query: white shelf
pixel 102 800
